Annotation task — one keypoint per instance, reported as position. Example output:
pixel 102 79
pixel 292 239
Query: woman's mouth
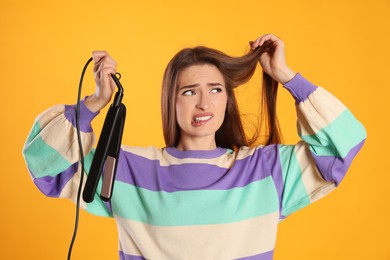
pixel 199 120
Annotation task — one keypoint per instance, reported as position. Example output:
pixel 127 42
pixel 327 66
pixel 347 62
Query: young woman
pixel 208 194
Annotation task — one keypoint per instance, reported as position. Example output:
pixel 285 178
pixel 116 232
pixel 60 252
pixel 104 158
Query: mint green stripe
pixel 294 194
pixel 34 132
pixel 97 206
pixel 337 138
pixel 43 160
pixel 194 207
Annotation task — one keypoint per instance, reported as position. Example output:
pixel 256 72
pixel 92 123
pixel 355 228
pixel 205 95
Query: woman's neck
pixel 202 143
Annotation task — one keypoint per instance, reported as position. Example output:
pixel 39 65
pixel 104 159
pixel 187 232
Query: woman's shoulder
pixel 249 150
pixel 150 152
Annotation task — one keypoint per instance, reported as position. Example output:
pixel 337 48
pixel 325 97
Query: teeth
pixel 203 118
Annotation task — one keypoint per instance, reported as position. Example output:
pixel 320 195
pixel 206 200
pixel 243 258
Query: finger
pixel 260 40
pixel 98 58
pixel 269 37
pixel 105 72
pixel 255 44
pixel 105 75
pixel 98 55
pixel 104 62
pixel 265 38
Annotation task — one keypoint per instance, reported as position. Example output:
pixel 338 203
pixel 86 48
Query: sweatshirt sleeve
pixel 330 138
pixel 51 153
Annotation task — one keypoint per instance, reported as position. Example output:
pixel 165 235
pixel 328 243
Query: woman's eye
pixel 188 93
pixel 216 90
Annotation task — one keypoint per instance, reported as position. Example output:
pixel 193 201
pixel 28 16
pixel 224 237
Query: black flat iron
pixel 106 155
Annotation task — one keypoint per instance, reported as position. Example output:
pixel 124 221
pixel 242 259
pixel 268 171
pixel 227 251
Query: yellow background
pixel 340 45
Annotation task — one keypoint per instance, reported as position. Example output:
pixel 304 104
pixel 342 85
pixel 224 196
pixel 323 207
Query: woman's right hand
pixel 104 66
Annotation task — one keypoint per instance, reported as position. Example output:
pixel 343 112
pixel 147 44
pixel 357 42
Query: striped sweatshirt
pixel 216 204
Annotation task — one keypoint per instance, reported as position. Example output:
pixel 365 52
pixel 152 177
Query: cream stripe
pixel 222 241
pixel 315 185
pixel 165 159
pixel 320 109
pixel 60 134
pixel 71 188
pixel 48 115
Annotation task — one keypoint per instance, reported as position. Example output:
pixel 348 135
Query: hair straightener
pixel 105 160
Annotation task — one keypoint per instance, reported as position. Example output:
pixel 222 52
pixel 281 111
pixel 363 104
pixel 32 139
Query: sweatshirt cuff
pixel 300 88
pixel 86 116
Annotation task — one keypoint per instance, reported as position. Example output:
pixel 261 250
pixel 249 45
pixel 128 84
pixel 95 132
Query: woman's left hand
pixel 273 60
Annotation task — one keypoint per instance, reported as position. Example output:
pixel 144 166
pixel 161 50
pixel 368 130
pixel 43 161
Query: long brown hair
pixel 236 71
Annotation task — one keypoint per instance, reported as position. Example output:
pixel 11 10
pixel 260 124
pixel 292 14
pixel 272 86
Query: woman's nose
pixel 203 102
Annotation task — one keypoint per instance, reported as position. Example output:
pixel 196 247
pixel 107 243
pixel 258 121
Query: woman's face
pixel 201 102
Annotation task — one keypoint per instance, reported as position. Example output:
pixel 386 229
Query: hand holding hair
pixel 273 59
pixel 104 66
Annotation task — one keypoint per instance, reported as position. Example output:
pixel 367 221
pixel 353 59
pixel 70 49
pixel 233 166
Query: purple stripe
pixel 273 161
pixel 148 174
pixel 52 186
pixel 108 205
pixel 300 87
pixel 263 256
pixel 196 154
pixel 123 256
pixel 334 168
pixel 86 116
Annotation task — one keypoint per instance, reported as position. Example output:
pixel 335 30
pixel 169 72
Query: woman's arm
pixel 331 136
pixel 51 150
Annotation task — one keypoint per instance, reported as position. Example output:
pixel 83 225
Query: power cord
pixel 81 161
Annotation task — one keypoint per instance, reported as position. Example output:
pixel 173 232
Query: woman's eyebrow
pixel 189 86
pixel 215 84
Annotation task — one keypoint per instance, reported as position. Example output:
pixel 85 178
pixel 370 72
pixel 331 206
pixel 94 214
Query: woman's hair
pixel 236 71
